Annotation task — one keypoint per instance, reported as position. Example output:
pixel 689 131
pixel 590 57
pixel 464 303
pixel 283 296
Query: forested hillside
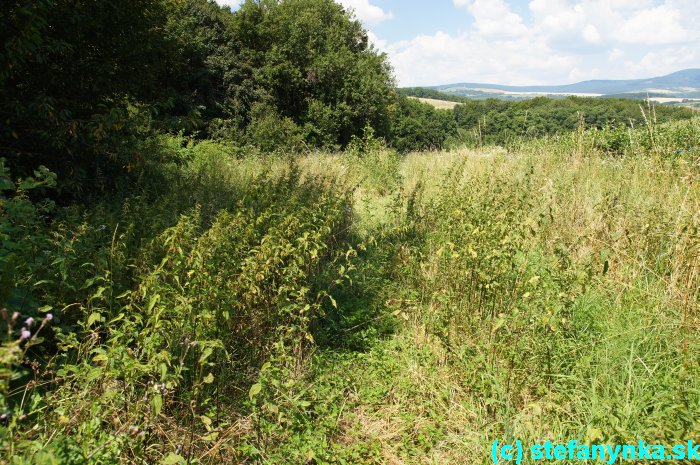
pixel 225 237
pixel 503 122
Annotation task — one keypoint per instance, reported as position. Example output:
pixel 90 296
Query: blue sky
pixel 531 41
pixel 412 18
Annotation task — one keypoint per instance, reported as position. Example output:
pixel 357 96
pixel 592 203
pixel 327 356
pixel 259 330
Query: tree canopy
pixel 82 82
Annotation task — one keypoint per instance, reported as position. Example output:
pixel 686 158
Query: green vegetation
pixel 422 92
pixel 508 122
pixel 193 271
pixel 416 125
pixel 498 122
pixel 83 85
pixel 357 308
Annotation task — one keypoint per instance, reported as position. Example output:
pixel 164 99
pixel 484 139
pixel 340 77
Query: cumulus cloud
pixel 615 54
pixel 232 3
pixel 591 34
pixel 552 42
pixel 442 58
pixel 493 17
pixel 367 12
pixel 660 25
pixel 560 41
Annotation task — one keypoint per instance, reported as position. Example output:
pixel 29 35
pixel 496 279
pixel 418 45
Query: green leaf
pixel 152 303
pixel 93 374
pixel 499 323
pixel 6 184
pixel 157 404
pixel 171 459
pixel 94 317
pixel 100 358
pixel 208 379
pixel 205 354
pixel 254 390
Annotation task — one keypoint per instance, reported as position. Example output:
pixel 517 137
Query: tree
pixel 419 126
pixel 73 72
pixel 315 65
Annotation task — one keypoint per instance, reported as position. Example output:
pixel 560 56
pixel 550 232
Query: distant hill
pixel 680 85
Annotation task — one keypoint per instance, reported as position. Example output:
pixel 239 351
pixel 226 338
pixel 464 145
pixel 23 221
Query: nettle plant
pixel 176 327
pixel 22 250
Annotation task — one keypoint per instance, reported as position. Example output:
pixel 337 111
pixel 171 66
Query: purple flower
pixel 25 334
pixel 29 322
pixel 49 317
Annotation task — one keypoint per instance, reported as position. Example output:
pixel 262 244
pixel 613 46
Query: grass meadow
pixel 368 308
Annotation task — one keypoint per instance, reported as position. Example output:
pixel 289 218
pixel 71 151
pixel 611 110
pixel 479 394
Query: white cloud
pixel 232 3
pixel 665 60
pixel 591 34
pixel 615 54
pixel 660 25
pixel 561 41
pixel 367 12
pixel 493 17
pixel 380 44
pixel 442 58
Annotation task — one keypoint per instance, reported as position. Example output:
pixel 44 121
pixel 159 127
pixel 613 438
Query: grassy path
pixel 540 296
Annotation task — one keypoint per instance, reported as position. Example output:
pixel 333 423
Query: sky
pixel 529 42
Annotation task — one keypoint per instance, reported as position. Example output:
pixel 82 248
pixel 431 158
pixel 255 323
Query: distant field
pixel 439 104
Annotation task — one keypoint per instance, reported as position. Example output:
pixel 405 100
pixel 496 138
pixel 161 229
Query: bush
pixel 271 133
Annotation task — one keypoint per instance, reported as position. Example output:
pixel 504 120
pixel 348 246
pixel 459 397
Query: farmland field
pixel 439 104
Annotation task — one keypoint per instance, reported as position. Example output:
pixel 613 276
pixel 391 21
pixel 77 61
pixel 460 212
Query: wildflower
pixel 47 319
pixel 15 315
pixel 29 322
pixel 25 334
pixel 3 417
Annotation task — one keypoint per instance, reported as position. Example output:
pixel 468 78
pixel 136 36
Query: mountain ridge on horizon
pixel 681 84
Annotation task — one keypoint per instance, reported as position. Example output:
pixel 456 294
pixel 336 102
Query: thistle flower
pixel 25 334
pixel 47 319
pixel 29 322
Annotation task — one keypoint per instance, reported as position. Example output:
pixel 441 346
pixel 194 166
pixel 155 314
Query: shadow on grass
pixel 363 316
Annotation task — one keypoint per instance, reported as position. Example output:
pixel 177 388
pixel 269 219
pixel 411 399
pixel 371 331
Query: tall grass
pixel 359 307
